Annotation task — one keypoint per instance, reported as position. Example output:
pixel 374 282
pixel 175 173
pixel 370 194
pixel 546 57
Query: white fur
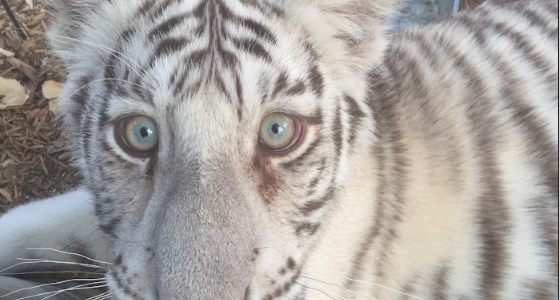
pixel 66 217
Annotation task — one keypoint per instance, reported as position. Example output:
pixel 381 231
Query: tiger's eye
pixel 278 132
pixel 138 135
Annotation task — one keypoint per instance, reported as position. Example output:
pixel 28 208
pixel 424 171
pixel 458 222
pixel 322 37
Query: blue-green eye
pixel 139 134
pixel 278 132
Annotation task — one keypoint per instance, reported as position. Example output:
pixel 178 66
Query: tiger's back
pixel 465 205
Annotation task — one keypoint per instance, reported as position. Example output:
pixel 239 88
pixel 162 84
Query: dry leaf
pixel 29 2
pixel 51 89
pixel 12 93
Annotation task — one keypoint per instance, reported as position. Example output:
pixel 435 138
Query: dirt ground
pixel 33 160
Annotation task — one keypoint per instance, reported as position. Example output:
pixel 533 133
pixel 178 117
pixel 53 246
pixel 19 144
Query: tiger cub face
pixel 216 135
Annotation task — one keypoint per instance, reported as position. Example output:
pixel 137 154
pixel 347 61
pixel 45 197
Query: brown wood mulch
pixel 33 162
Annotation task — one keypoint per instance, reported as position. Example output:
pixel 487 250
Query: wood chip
pixel 26 69
pixel 6 195
pixel 6 53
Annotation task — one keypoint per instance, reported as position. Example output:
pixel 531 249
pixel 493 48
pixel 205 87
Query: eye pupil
pixel 276 128
pixel 144 132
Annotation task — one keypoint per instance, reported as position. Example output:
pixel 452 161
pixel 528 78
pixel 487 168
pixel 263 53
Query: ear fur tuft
pixel 68 16
pixel 349 34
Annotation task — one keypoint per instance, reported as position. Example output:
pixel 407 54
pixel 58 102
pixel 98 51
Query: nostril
pixel 247 294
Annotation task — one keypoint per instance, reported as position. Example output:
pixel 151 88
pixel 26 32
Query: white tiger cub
pixel 264 150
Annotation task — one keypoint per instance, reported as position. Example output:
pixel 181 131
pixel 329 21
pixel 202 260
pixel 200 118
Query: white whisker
pixel 52 273
pixel 386 288
pixel 41 261
pixel 102 296
pixel 51 284
pixel 79 236
pixel 72 254
pixel 287 297
pixel 343 288
pixel 89 286
pixel 373 284
pixel 320 291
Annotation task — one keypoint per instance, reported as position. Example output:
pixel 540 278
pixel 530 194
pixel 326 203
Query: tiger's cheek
pixel 268 181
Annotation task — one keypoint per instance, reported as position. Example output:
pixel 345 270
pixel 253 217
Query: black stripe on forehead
pixel 278 83
pixel 213 16
pixel 253 47
pixel 152 9
pixel 317 81
pixel 209 12
pixel 168 46
pixel 167 26
pixel 264 7
pixel 221 52
pixel 258 29
pixel 117 80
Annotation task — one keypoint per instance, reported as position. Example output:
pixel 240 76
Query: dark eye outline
pixel 121 140
pixel 298 137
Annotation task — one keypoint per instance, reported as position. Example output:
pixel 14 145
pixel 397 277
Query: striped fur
pixel 429 168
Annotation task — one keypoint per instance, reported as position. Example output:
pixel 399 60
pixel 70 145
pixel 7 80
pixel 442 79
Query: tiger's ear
pixel 70 13
pixel 85 29
pixel 347 32
pixel 67 18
